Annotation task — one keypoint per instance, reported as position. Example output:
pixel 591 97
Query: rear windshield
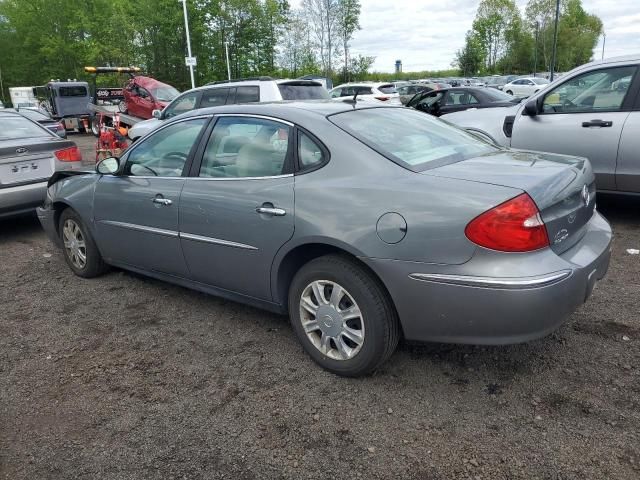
pixel 18 127
pixel 410 138
pixel 301 91
pixel 77 91
pixel 387 89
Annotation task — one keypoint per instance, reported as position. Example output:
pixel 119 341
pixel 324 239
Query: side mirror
pixel 108 166
pixel 531 108
pixel 157 114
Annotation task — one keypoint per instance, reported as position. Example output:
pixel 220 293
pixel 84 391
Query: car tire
pixel 376 328
pixel 77 243
pixel 509 92
pixel 122 106
pixel 95 126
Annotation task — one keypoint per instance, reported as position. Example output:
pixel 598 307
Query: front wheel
pixel 80 250
pixel 122 106
pixel 342 316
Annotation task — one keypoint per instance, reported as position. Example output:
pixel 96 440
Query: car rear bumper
pixel 22 198
pixel 496 298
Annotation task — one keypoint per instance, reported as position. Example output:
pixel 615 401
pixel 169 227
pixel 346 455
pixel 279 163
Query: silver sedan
pixel 363 224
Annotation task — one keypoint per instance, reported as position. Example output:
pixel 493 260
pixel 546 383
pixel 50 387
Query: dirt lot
pixel 122 377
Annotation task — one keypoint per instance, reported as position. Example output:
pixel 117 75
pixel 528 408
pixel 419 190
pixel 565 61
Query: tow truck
pixel 104 105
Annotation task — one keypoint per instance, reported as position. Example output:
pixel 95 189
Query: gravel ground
pixel 123 377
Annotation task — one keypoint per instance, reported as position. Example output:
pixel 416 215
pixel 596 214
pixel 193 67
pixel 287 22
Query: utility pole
pixel 604 40
pixel 226 49
pixel 1 85
pixel 535 53
pixel 555 40
pixel 190 60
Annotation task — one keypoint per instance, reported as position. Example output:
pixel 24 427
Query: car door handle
pixel 271 210
pixel 597 123
pixel 162 201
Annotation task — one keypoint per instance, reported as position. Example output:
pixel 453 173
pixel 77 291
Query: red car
pixel 143 95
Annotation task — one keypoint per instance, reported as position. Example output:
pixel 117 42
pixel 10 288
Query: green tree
pixel 348 22
pixel 470 59
pixel 493 25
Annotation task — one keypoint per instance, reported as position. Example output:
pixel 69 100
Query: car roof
pixel 293 111
pixel 363 84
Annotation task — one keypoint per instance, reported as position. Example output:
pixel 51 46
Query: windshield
pixel 412 139
pixel 19 127
pixel 540 81
pixel 165 93
pixel 34 115
pixel 303 91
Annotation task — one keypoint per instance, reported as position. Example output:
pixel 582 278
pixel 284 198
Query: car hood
pixel 143 127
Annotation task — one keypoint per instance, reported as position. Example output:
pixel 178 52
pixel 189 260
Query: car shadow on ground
pixel 18 229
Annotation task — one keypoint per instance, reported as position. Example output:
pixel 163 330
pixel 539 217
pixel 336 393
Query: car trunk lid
pixel 563 187
pixel 28 160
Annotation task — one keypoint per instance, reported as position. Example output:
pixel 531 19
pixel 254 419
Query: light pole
pixel 226 50
pixel 190 60
pixel 535 53
pixel 604 40
pixel 555 40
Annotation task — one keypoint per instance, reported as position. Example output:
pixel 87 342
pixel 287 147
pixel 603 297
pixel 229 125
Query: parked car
pixel 407 92
pixel 412 228
pixel 143 95
pixel 592 111
pixel 525 87
pixel 44 119
pixel 248 90
pixel 448 100
pixel 29 154
pixel 370 90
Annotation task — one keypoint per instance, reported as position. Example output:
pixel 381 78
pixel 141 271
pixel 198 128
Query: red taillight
pixel 384 99
pixel 513 226
pixel 71 154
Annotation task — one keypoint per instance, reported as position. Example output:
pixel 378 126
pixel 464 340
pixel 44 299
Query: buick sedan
pixel 364 225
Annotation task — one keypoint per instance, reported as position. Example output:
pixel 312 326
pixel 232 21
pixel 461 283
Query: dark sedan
pixel 43 119
pixel 449 100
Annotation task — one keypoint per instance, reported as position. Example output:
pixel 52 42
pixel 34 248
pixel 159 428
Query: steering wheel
pixel 179 155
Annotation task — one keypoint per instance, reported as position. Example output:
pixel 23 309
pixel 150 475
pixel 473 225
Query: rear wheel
pixel 80 250
pixel 342 316
pixel 122 106
pixel 95 126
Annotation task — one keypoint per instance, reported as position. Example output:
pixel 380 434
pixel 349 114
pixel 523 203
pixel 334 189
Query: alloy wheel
pixel 332 320
pixel 74 243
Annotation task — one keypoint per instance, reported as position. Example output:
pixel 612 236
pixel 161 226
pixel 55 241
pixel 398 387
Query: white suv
pixel 248 90
pixel 366 90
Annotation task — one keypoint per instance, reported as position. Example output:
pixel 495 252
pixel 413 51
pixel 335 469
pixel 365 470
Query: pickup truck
pixel 592 111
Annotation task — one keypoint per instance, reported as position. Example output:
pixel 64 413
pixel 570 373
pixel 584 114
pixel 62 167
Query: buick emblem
pixel 585 196
pixel 21 150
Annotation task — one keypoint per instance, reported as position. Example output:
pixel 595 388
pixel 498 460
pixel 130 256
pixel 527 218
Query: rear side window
pixel 77 91
pixel 18 127
pixel 310 154
pixel 303 91
pixel 387 89
pixel 409 138
pixel 214 97
pixel 247 94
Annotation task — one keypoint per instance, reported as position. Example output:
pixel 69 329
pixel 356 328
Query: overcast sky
pixel 425 34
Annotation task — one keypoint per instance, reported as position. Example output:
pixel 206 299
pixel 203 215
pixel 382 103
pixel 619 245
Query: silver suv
pixel 248 90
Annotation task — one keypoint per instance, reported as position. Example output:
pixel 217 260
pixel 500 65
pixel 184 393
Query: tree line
pixel 42 40
pixel 503 40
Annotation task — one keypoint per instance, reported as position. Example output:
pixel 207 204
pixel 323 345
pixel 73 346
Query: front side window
pixel 164 153
pixel 246 147
pixel 186 103
pixel 409 138
pixel 597 91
